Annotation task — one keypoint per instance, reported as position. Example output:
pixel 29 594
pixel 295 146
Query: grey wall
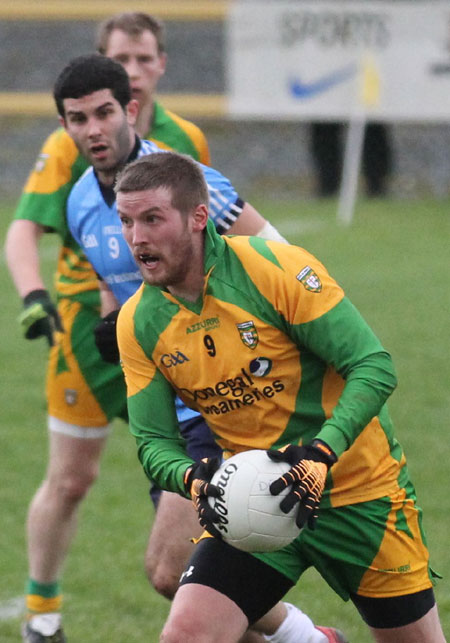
pixel 255 156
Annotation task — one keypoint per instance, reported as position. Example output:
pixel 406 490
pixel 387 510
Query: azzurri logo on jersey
pixel 173 359
pixel 208 324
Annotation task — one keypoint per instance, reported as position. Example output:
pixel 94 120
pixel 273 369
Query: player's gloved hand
pixel 40 317
pixel 106 338
pixel 197 481
pixel 310 464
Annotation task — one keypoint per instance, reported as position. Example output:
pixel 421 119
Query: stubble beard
pixel 175 273
pixel 107 172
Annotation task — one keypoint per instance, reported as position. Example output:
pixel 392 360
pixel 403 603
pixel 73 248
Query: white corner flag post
pixel 368 96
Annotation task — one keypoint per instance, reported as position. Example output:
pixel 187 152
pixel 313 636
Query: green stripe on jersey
pixel 167 131
pixel 260 245
pixel 159 314
pixel 240 290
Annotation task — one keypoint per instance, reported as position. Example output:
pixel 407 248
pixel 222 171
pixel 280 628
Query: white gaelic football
pixel 251 518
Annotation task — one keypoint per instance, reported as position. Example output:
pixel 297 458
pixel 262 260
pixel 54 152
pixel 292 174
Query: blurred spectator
pixel 327 145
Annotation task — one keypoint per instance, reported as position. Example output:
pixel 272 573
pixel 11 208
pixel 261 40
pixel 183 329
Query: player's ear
pixel 200 217
pixel 162 64
pixel 62 121
pixel 132 111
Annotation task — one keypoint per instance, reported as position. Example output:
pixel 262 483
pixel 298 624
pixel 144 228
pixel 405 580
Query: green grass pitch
pixel 393 263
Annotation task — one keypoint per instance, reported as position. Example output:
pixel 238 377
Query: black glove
pixel 197 483
pixel 310 464
pixel 40 317
pixel 106 338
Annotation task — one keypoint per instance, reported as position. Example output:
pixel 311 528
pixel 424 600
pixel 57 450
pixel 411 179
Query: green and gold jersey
pixel 59 166
pixel 272 353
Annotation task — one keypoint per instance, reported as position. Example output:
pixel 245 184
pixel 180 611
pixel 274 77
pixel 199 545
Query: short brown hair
pixel 133 24
pixel 177 172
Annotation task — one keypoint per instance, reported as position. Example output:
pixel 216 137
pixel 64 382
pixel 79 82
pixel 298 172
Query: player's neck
pixel 189 290
pixel 193 284
pixel 145 119
pixel 107 177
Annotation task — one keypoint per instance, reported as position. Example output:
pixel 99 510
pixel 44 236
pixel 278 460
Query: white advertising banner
pixel 336 60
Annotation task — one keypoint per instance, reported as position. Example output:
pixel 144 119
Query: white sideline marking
pixel 12 608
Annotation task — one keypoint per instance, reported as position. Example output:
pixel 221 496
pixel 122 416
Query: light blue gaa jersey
pixel 95 225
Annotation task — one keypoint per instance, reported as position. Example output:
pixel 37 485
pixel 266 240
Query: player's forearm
pixel 250 222
pixel 22 255
pixel 161 449
pixel 108 302
pixel 366 390
pixel 165 463
pixel 342 339
pixel 153 421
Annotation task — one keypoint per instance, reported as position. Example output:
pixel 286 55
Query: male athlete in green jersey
pixel 84 393
pixel 260 339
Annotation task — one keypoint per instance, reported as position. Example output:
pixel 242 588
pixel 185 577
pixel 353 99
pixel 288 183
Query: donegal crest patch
pixel 309 279
pixel 71 396
pixel 248 333
pixel 41 162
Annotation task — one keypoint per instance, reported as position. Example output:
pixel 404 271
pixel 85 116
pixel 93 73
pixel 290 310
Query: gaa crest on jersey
pixel 71 396
pixel 248 333
pixel 309 279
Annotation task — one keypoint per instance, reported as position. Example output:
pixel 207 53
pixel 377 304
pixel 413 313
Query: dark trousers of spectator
pixel 327 150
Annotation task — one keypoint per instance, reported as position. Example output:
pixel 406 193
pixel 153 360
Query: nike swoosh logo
pixel 299 89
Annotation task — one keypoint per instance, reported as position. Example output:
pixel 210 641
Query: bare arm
pixel 22 255
pixel 108 302
pixel 250 222
pixel 105 331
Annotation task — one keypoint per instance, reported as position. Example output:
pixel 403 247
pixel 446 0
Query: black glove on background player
pixel 40 317
pixel 310 464
pixel 197 481
pixel 106 338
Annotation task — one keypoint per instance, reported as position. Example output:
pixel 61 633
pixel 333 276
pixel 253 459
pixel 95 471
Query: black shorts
pixel 256 587
pixel 394 611
pixel 252 584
